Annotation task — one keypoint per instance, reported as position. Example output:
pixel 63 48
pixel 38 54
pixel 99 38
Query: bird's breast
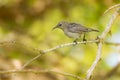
pixel 72 35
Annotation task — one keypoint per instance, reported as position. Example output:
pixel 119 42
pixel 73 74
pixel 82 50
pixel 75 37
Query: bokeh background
pixel 29 24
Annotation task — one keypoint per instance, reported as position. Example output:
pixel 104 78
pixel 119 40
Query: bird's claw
pixel 84 39
pixel 75 42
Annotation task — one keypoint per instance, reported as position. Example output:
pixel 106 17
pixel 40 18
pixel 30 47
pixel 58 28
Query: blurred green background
pixel 29 23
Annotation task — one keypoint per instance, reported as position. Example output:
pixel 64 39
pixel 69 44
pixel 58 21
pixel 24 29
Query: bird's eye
pixel 60 25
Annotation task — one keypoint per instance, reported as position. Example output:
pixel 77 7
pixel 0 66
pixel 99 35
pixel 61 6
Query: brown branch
pixel 41 71
pixel 102 38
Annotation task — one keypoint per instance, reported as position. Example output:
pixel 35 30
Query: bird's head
pixel 61 25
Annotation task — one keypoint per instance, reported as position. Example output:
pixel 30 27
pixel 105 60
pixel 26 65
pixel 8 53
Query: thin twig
pixel 112 43
pixel 54 48
pixel 114 6
pixel 2 43
pixel 41 71
pixel 102 38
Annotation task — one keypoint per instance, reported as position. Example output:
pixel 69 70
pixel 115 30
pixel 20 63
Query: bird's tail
pixel 95 30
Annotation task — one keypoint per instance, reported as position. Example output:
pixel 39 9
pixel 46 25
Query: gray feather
pixel 77 28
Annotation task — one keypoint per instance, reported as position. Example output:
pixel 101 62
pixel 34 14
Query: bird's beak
pixel 54 28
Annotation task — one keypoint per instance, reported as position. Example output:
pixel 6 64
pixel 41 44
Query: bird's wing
pixel 77 28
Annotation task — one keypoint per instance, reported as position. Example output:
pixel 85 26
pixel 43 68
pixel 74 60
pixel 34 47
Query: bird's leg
pixel 75 41
pixel 84 38
pixel 98 38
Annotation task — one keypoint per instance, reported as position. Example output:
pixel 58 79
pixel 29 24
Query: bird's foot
pixel 75 42
pixel 97 38
pixel 84 40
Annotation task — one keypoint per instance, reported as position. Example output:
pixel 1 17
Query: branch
pixel 54 48
pixel 102 38
pixel 114 6
pixel 112 43
pixel 41 71
pixel 2 43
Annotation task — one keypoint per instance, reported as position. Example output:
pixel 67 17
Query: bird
pixel 74 30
